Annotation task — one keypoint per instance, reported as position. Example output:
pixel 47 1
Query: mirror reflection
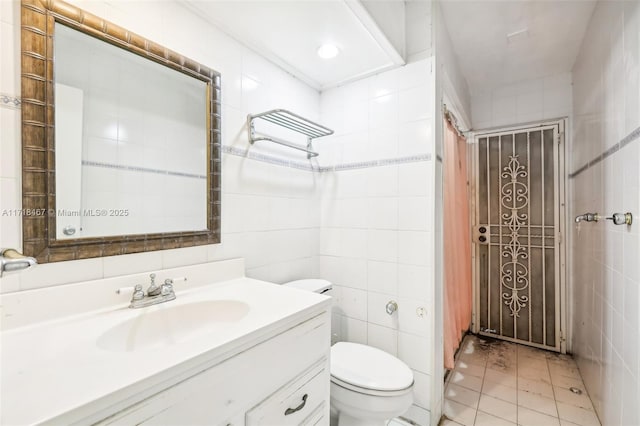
pixel 130 142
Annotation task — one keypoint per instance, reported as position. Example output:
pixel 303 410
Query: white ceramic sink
pixel 166 324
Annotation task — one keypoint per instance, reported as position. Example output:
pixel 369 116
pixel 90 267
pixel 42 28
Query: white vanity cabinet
pixel 229 350
pixel 281 381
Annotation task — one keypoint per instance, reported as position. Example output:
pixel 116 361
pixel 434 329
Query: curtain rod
pixel 451 118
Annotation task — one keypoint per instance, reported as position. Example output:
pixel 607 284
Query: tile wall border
pixel 309 167
pixel 633 136
pixel 9 101
pixel 141 169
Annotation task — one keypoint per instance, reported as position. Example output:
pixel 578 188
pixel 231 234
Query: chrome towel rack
pixel 291 121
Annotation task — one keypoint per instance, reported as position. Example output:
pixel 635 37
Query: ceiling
pixel 479 29
pixel 289 33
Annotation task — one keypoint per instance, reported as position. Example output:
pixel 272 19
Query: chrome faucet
pixel 11 260
pixel 588 217
pixel 155 294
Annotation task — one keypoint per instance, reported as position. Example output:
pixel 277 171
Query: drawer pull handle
pixel 298 408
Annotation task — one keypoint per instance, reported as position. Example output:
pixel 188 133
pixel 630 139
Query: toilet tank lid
pixel 315 285
pixel 369 368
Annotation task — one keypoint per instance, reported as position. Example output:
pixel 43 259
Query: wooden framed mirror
pixel 121 148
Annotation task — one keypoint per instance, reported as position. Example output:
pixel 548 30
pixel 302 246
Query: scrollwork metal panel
pixel 517 254
pixel 515 273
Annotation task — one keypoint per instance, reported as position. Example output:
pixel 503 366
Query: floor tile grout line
pixel 584 389
pixel 553 390
pixel 517 386
pixel 484 376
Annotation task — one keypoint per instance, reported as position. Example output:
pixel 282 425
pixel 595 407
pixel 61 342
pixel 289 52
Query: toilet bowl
pixel 368 386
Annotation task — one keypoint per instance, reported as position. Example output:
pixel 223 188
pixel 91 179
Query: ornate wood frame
pixel 38 141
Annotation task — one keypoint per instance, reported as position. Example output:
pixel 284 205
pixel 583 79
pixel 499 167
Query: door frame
pixel 562 328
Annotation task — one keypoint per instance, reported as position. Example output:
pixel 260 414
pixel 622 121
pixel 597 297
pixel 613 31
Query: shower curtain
pixel 457 243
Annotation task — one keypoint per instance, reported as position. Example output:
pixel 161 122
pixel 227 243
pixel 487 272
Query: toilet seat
pixel 369 370
pixel 372 392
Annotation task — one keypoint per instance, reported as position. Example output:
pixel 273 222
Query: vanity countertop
pixel 54 371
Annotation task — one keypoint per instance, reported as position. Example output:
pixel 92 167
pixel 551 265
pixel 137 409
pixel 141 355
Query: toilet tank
pixel 324 287
pixel 315 285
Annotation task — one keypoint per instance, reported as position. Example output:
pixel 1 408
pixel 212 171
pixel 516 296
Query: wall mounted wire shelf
pixel 291 121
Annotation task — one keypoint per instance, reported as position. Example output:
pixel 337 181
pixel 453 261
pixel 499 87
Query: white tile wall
pixel 605 258
pixel 383 116
pixel 271 215
pixel 9 130
pixel 367 230
pixel 375 224
pixel 524 102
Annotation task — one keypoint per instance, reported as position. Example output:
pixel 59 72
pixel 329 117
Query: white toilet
pixel 368 386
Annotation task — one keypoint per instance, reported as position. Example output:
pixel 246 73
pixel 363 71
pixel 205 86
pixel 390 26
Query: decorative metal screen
pixel 517 236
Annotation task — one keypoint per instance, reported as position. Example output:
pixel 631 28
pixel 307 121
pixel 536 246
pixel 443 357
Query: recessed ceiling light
pixel 328 51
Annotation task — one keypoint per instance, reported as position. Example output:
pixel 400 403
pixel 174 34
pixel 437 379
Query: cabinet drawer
pixel 316 418
pixel 296 403
pixel 237 420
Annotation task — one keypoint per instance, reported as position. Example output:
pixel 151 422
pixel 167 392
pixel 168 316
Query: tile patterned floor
pixel 498 383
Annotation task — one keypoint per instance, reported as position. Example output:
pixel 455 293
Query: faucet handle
pixel 153 288
pixel 138 293
pixel 391 307
pixel 167 287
